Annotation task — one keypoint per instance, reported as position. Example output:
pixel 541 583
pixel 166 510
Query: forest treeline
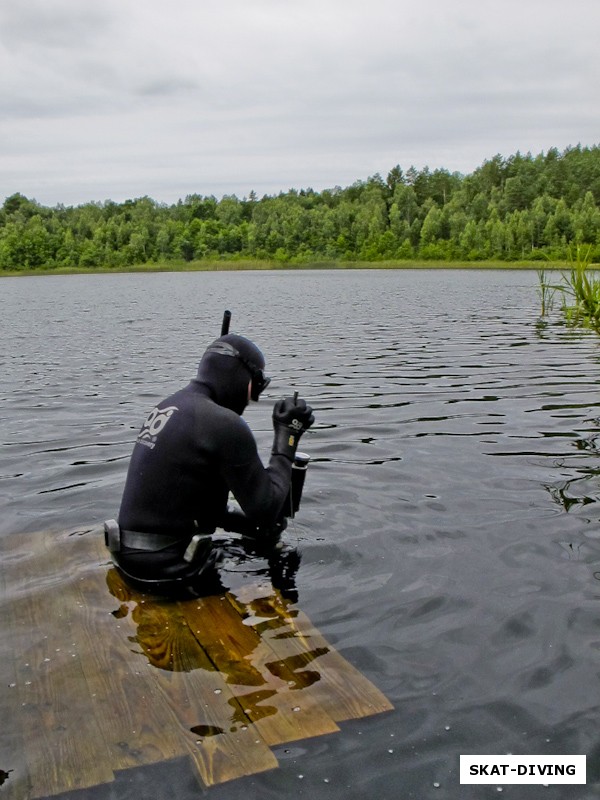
pixel 518 208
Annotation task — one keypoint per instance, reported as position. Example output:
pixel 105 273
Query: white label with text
pixel 522 769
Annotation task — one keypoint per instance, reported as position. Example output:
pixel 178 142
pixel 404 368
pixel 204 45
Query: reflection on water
pixel 449 528
pixel 208 635
pixel 584 488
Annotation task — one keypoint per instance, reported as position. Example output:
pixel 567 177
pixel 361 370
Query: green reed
pixel 580 290
pixel 546 292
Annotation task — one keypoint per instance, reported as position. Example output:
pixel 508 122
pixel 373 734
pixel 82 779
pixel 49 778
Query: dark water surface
pixel 449 528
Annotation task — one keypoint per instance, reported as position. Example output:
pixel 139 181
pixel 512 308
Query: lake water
pixel 449 529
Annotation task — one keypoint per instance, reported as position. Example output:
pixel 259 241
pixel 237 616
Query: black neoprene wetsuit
pixel 193 449
pixel 179 479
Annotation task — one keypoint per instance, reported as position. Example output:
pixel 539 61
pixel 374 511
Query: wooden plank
pixel 208 717
pixel 123 679
pixel 357 696
pixel 219 753
pixel 204 707
pixel 14 770
pixel 137 727
pixel 238 651
pixel 126 701
pixel 194 698
pixel 13 766
pixel 64 748
pixel 144 714
pixel 344 691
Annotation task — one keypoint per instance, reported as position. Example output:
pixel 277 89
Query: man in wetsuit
pixel 193 449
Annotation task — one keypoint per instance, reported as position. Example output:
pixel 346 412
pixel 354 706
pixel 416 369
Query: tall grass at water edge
pixel 579 291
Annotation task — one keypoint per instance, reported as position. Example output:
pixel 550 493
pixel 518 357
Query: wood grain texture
pixel 108 678
pixel 64 747
pixel 340 687
pixel 14 775
pixel 238 651
pixel 191 688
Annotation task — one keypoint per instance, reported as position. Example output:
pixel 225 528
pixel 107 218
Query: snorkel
pixel 225 323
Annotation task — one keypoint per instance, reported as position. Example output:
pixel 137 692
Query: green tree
pixel 431 230
pixel 586 220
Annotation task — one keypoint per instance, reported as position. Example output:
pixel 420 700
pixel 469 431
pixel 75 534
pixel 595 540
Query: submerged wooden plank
pixel 203 707
pixel 145 714
pixel 220 752
pixel 344 691
pixel 209 718
pixel 121 701
pixel 356 695
pixel 126 701
pixel 111 678
pixel 14 771
pixel 64 748
pixel 238 651
pixel 14 778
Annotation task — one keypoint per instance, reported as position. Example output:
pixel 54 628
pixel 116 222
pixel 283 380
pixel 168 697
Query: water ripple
pixel 450 522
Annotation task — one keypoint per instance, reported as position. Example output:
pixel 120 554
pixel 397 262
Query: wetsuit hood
pixel 226 377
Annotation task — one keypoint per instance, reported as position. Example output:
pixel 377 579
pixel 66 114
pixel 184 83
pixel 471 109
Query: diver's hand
pixel 291 417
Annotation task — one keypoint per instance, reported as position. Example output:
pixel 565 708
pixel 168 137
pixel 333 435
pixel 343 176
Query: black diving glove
pixel 291 417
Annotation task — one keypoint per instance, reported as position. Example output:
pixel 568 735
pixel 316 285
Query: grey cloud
pixel 167 87
pixel 51 24
pixel 197 96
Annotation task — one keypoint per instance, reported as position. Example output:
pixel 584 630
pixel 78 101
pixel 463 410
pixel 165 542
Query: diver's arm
pixel 260 491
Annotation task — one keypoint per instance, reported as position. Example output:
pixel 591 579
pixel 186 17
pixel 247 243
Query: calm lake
pixel 449 529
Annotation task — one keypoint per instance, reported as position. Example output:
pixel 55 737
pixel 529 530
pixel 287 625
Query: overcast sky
pixel 116 99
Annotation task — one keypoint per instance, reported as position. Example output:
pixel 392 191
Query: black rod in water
pixel 226 321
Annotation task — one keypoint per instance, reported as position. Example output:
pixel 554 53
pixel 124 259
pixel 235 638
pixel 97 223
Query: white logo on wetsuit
pixel 156 421
pixel 296 425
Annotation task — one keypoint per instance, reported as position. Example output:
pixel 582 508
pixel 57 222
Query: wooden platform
pixel 103 678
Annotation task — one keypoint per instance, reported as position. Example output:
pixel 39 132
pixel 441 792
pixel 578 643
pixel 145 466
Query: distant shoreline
pixel 250 265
